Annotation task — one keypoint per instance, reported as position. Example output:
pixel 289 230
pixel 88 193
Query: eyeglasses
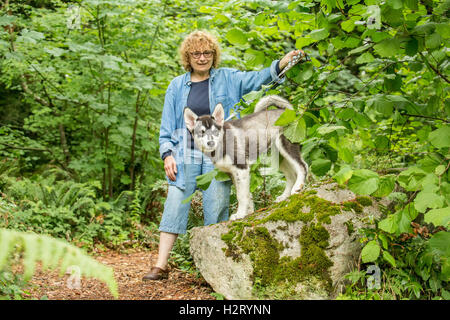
pixel 197 54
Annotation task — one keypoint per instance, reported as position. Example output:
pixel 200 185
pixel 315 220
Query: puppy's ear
pixel 189 118
pixel 219 114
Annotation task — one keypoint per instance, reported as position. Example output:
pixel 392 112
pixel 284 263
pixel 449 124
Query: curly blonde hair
pixel 199 40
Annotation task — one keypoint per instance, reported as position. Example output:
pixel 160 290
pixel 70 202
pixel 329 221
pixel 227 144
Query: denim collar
pixel 187 76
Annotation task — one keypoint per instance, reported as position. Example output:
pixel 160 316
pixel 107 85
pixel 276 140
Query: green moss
pixel 264 253
pixel 234 235
pixel 364 201
pixel 350 227
pixel 314 235
pixel 272 272
pixel 357 205
pixel 352 206
pixel 303 207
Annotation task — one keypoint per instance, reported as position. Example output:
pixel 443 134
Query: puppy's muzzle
pixel 210 144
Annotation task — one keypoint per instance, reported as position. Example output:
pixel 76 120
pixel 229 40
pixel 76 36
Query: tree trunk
pixel 133 143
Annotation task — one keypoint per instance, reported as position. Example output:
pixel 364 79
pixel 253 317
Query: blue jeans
pixel 216 199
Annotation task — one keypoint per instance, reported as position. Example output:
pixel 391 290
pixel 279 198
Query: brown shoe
pixel 156 274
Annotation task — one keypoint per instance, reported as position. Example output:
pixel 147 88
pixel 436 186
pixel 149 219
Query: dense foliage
pixel 82 84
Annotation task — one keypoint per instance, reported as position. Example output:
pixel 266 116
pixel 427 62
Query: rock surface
pixel 298 249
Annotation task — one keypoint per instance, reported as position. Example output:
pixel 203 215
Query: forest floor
pixel 129 268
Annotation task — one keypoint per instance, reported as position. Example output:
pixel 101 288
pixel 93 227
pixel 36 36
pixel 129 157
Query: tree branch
pixel 10 146
pixel 425 117
pixel 433 68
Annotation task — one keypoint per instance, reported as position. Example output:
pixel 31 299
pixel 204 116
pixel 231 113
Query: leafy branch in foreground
pixel 53 253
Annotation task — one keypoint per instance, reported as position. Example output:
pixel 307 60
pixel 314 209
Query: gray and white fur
pixel 235 145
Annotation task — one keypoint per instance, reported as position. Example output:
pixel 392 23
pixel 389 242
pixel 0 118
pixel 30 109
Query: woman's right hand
pixel 170 166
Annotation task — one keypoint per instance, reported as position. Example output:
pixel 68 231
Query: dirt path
pixel 129 268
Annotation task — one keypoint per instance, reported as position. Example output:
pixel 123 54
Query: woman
pixel 200 88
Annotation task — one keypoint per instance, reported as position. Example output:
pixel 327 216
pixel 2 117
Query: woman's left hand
pixel 288 57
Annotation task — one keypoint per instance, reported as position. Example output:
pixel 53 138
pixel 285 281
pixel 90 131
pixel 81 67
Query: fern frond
pixel 65 192
pixel 52 253
pixel 83 202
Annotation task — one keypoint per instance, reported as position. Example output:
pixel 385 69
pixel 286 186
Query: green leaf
pixel 125 179
pixel 366 57
pixel 7 19
pixel 319 34
pixel 411 178
pixel 387 47
pixel 344 174
pixel 405 217
pixel 381 143
pixel 400 221
pixel 306 71
pixel 433 41
pixel 428 198
pixel 236 36
pixel 325 129
pixel 394 85
pixel 359 49
pixel 188 199
pixel 30 36
pixel 222 176
pixel 412 46
pixel 204 180
pixel 107 120
pixel 381 104
pixel 443 29
pixel 438 217
pixel 254 58
pixel 384 240
pixel 302 42
pixel 387 256
pixel 395 4
pixel 296 131
pixel 389 224
pixel 57 52
pixel 385 186
pixel 286 117
pixel 348 25
pixel 440 138
pixel 370 252
pixel 438 243
pixel 411 4
pixel 320 166
pixel 363 182
pixel 439 170
pixel 253 95
pixel 345 154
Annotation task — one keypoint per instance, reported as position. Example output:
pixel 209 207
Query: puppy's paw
pixel 234 217
pixel 237 216
pixel 297 189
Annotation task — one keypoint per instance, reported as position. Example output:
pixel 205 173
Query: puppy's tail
pixel 272 100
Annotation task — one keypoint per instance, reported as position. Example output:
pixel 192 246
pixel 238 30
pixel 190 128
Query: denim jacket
pixel 226 85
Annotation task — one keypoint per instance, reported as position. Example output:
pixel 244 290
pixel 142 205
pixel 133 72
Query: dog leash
pixel 275 83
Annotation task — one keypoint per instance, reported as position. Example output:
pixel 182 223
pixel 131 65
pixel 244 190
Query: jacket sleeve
pixel 168 124
pixel 248 81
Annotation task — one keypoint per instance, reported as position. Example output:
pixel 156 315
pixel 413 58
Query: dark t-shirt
pixel 198 101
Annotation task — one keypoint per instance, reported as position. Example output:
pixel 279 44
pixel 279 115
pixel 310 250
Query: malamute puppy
pixel 235 145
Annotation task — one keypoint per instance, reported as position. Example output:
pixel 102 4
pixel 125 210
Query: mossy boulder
pixel 296 249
